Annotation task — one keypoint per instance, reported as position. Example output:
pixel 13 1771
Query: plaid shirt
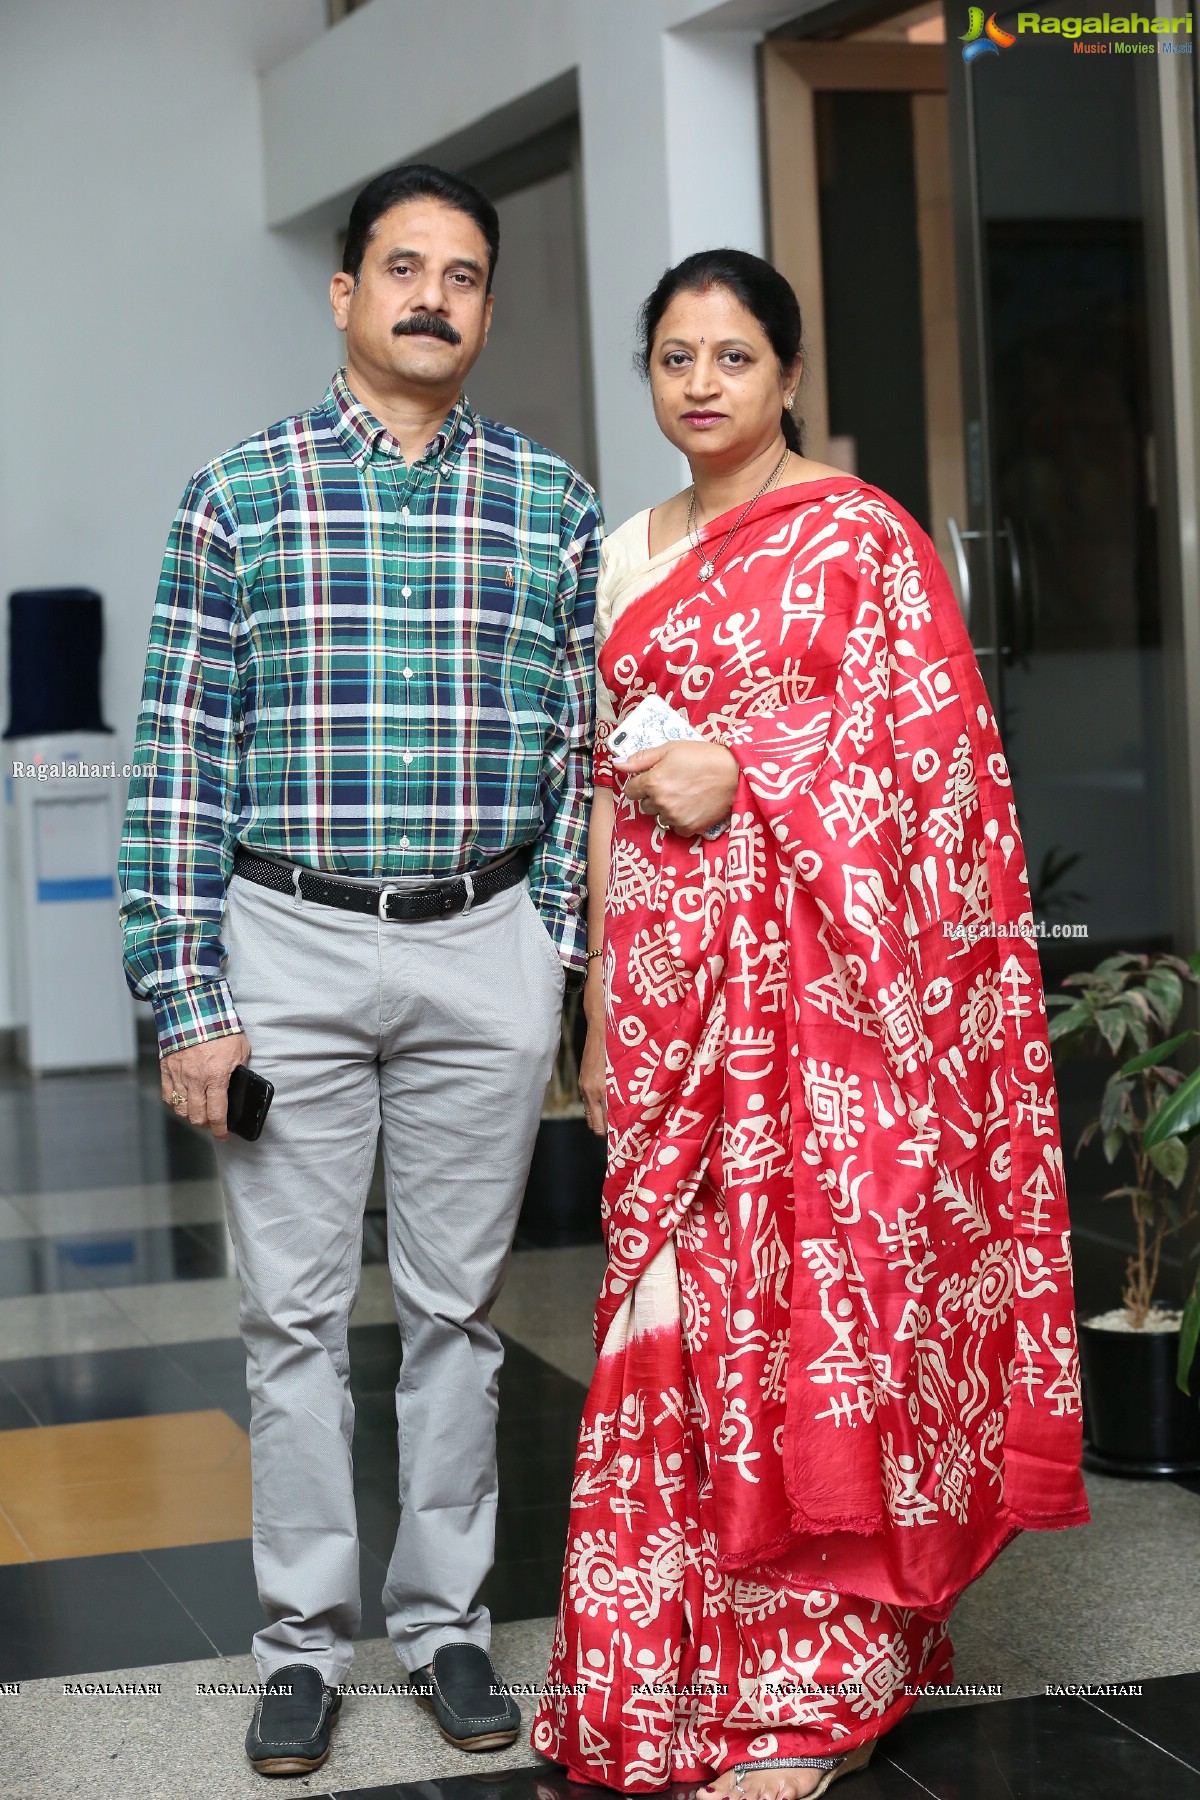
pixel 363 666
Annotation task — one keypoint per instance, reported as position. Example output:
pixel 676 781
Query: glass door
pixel 1057 555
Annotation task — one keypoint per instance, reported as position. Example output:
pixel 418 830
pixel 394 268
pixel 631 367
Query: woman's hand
pixel 689 784
pixel 592 1064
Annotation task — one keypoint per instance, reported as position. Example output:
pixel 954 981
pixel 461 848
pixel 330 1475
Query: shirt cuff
pixel 565 924
pixel 192 1015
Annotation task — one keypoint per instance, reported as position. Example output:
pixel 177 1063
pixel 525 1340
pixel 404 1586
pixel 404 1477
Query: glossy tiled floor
pixel 124 1514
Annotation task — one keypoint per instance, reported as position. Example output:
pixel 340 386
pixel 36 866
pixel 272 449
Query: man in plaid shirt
pixel 356 851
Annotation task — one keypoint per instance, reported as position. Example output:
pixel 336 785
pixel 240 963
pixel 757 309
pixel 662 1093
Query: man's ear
pixel 340 290
pixel 487 315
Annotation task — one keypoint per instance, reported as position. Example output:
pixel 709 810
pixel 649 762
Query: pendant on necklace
pixel 706 570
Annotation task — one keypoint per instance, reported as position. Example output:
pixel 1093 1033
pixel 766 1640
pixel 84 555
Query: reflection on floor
pixel 125 1518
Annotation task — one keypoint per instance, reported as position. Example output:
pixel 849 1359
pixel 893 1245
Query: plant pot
pixel 1136 1420
pixel 562 1195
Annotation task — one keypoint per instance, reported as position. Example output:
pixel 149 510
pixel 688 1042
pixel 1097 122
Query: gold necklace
pixel 708 564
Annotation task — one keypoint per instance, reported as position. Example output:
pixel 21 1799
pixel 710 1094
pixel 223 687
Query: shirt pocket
pixel 509 630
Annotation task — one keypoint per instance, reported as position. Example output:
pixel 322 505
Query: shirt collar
pixel 362 436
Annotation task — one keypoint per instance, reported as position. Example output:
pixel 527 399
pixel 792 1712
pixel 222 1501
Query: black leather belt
pixel 384 901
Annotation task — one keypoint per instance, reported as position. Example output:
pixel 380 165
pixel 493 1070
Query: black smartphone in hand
pixel 247 1099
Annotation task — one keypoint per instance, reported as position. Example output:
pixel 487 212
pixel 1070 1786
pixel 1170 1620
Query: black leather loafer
pixel 465 1698
pixel 289 1733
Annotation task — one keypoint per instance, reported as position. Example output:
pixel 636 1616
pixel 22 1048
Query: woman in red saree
pixel 837 1363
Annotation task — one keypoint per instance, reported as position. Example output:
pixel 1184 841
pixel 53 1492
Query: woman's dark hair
pixel 416 181
pixel 762 290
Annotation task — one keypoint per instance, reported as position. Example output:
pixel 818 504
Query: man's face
pixel 420 312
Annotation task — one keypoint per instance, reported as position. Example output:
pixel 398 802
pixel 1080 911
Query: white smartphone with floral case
pixel 652 722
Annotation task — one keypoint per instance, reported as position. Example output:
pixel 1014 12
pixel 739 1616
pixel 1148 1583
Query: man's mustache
pixel 427 325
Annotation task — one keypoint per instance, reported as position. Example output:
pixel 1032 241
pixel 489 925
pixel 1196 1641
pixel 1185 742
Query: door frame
pixel 1167 107
pixel 1173 276
pixel 793 73
pixel 795 66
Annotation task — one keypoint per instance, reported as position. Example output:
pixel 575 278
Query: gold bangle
pixel 588 957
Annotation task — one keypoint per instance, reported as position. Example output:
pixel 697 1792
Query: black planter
pixel 562 1196
pixel 1136 1420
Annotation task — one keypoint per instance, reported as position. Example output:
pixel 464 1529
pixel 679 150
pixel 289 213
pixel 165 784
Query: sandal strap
pixel 789 1762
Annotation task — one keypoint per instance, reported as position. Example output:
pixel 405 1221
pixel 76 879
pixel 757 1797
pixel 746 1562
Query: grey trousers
pixel 445 1032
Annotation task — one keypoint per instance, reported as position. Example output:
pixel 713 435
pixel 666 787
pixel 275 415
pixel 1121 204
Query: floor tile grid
pixel 213 1583
pixel 14 1547
pixel 376 1349
pixel 1192 1767
pixel 200 1205
pixel 1048 1748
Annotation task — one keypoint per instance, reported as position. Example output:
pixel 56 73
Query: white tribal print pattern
pixel 838 1365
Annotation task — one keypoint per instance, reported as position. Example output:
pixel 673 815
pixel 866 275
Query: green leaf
pixel 1177 1117
pixel 1124 959
pixel 1112 1025
pixel 1076 1019
pixel 1112 1145
pixel 1189 1336
pixel 1158 1053
pixel 1115 1113
pixel 1139 1033
pixel 1170 1158
pixel 1166 989
pixel 1193 963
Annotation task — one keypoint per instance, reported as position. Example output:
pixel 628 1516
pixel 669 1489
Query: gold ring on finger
pixel 178 1099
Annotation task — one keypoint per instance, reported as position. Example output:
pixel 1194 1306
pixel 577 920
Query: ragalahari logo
pixel 984 38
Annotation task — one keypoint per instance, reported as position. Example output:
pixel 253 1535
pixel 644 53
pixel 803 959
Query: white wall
pixel 532 372
pixel 168 220
pixel 668 105
pixel 713 76
pixel 152 320
pixel 147 318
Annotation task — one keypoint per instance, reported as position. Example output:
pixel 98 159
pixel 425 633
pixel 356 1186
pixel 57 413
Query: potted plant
pixel 562 1195
pixel 1137 1420
pixel 1180 1117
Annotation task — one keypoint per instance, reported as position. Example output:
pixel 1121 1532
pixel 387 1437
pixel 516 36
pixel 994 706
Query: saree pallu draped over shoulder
pixel 838 1366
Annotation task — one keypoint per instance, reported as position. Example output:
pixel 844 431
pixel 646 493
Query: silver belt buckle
pixel 470 887
pixel 382 900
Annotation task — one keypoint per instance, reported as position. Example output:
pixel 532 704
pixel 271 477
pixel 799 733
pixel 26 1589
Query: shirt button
pixel 406 593
pixel 407 757
pixel 404 843
pixel 445 468
pixel 406 672
pixel 404 513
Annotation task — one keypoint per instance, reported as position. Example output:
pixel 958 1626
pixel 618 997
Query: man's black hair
pixel 416 181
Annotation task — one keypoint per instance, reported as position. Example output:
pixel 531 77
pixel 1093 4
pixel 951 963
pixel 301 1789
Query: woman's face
pixel 717 385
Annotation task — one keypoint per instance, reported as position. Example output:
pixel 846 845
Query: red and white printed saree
pixel 837 1354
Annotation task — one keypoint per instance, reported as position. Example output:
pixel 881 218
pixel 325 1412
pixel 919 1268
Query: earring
pixel 790 401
